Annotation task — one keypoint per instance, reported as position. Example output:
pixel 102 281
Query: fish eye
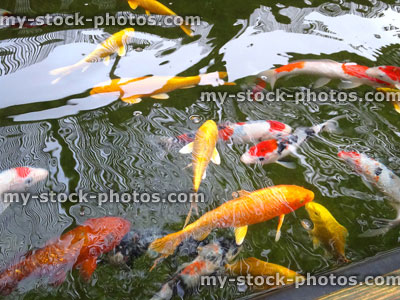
pixel 261 158
pixel 28 181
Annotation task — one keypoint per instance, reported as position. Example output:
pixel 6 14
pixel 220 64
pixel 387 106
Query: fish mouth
pixel 40 174
pixel 247 159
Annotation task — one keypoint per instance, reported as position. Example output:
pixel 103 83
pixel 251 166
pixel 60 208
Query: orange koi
pixel 249 208
pixel 78 248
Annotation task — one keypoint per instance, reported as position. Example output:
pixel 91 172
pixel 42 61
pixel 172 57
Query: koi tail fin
pixel 385 226
pixel 331 126
pixel 269 76
pixel 165 293
pixel 167 244
pixel 63 71
pixel 193 205
pixel 186 29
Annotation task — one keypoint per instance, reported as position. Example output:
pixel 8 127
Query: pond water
pixel 98 143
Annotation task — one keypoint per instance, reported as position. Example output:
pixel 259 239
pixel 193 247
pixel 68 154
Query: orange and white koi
pixel 18 180
pixel 256 267
pixel 241 132
pixel 133 89
pixel 211 259
pixel 249 208
pixel 203 149
pixel 78 248
pixel 117 43
pixel 351 74
pixel 153 6
pixel 379 175
pixel 272 151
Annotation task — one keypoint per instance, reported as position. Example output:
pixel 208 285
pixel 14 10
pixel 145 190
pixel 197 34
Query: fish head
pixel 106 233
pixel 207 131
pixel 353 159
pixel 25 177
pixel 299 197
pixel 264 153
pixel 279 128
pixel 387 74
pixel 318 214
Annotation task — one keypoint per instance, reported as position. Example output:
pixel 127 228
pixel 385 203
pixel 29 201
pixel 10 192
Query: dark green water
pixel 98 143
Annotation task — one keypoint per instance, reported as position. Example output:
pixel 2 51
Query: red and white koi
pixel 18 180
pixel 242 132
pixel 390 74
pixel 351 74
pixel 384 179
pixel 273 150
pixel 210 260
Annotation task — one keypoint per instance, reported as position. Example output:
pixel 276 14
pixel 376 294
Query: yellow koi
pixel 393 95
pixel 133 89
pixel 204 150
pixel 117 43
pixel 153 6
pixel 256 267
pixel 326 230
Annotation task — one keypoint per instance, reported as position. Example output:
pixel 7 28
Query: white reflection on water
pixel 266 42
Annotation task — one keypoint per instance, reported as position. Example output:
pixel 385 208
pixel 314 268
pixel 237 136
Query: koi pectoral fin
pixel 122 51
pixel 278 231
pixel 321 82
pixel 133 4
pixel 216 159
pixel 162 96
pixel 187 149
pixel 132 100
pixel 88 267
pixel 349 84
pixel 240 234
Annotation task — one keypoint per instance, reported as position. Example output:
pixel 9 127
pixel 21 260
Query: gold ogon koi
pixel 392 95
pixel 256 267
pixel 117 43
pixel 203 150
pixel 153 6
pixel 326 230
pixel 249 208
pixel 132 90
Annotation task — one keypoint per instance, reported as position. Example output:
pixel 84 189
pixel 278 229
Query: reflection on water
pixel 98 143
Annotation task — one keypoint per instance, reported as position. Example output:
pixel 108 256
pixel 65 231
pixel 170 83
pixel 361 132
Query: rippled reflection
pixel 98 143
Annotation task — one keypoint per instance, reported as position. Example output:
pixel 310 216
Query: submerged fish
pixel 18 180
pixel 153 6
pixel 384 179
pixel 351 74
pixel 272 151
pixel 249 208
pixel 392 95
pixel 388 74
pixel 78 248
pixel 117 43
pixel 133 89
pixel 241 132
pixel 203 149
pixel 326 230
pixel 256 267
pixel 211 259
